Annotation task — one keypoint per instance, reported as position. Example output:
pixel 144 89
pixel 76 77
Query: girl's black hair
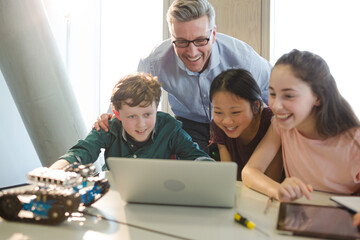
pixel 240 83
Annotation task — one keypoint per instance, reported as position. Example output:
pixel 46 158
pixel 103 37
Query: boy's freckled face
pixel 138 121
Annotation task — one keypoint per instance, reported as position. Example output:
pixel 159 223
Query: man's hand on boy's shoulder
pixel 102 122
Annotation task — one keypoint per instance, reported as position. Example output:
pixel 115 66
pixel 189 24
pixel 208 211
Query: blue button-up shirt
pixel 188 92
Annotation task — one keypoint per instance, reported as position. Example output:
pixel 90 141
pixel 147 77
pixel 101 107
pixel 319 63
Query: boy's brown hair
pixel 136 89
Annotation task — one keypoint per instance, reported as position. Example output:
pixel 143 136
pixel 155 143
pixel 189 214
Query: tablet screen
pixel 316 221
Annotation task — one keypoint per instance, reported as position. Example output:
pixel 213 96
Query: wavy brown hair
pixel 136 89
pixel 334 115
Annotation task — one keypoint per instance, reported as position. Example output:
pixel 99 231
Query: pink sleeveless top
pixel 331 165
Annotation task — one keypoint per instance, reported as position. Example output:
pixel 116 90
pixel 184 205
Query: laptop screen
pixel 175 182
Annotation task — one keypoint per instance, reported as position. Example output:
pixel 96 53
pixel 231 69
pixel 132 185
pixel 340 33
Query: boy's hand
pixel 103 122
pixel 293 188
pixel 60 164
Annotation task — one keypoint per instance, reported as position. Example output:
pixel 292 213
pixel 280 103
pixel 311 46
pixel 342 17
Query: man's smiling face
pixel 195 58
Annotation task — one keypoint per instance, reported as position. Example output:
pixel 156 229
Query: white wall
pixel 101 41
pixel 130 29
pixel 17 154
pixel 76 28
pixel 329 28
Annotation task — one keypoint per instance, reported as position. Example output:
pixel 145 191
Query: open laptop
pixel 175 182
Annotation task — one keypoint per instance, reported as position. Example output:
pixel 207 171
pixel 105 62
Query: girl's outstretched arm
pixel 253 173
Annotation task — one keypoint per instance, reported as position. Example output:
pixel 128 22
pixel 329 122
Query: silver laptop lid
pixel 175 182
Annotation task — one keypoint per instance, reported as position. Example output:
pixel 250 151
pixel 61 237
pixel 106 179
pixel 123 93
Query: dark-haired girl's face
pixel 233 114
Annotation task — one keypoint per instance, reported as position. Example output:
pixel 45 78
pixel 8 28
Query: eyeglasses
pixel 197 42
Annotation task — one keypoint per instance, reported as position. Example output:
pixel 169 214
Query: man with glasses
pixel 187 63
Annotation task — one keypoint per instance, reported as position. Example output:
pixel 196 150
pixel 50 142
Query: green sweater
pixel 168 138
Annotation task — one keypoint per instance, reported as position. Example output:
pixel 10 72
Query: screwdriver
pixel 243 221
pixel 247 223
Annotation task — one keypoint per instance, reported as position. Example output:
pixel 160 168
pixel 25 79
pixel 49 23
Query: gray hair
pixel 187 10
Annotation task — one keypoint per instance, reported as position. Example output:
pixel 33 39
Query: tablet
pixel 316 221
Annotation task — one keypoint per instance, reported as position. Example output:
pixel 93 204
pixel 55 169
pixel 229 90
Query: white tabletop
pixel 139 221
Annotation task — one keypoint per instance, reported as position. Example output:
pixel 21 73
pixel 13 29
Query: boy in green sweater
pixel 138 131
